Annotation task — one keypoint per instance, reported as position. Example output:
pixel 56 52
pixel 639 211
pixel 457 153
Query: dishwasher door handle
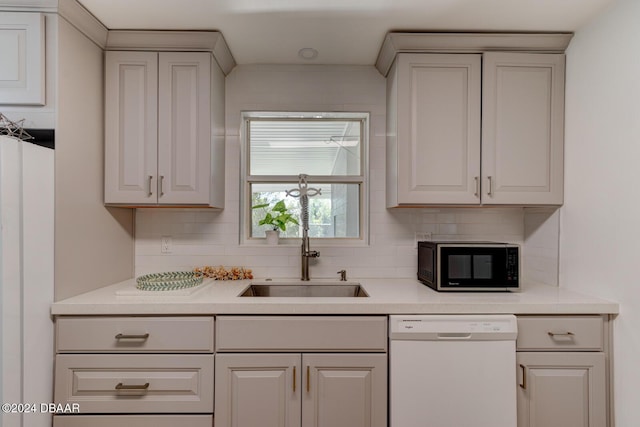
pixel 454 335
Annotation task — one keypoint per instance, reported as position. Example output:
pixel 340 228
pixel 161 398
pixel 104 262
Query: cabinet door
pixel 184 117
pixel 522 128
pixel 561 390
pixel 344 390
pixel 22 72
pixel 131 127
pixel 257 390
pixel 438 128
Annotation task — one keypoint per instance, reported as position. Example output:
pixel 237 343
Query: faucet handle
pixel 343 275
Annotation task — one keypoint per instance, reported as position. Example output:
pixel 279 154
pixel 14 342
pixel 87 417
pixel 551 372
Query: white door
pixel 344 390
pixel 438 128
pixel 184 126
pixel 131 127
pixel 257 390
pixel 522 128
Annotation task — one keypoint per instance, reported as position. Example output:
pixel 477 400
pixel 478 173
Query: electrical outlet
pixel 421 236
pixel 166 244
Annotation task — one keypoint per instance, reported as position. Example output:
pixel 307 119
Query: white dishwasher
pixel 452 371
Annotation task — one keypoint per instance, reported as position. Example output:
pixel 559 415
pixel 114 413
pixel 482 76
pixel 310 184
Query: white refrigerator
pixel 26 279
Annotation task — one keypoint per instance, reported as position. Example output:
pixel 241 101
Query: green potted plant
pixel 276 218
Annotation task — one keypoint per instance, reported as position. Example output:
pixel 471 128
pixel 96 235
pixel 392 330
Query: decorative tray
pixel 168 281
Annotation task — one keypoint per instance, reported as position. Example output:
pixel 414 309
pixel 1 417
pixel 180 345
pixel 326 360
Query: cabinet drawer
pixel 132 420
pixel 301 333
pixel 134 335
pixel 561 333
pixel 135 383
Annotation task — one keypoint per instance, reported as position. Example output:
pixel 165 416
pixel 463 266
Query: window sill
pixel 290 242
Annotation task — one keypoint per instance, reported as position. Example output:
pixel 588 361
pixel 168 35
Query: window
pixel 328 147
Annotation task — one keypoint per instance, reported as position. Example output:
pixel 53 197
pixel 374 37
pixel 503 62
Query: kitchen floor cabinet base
pixel 132 421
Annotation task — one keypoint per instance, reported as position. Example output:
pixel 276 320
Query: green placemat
pixel 168 281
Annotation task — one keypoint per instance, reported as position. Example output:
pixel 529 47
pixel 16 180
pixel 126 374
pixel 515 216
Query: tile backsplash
pixel 204 237
pixel 211 238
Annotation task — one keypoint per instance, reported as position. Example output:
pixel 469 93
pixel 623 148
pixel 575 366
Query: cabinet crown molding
pixel 174 41
pixel 463 42
pixel 28 5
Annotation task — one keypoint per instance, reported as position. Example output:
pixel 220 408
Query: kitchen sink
pixel 310 289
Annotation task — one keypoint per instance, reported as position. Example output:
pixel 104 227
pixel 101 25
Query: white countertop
pixel 386 296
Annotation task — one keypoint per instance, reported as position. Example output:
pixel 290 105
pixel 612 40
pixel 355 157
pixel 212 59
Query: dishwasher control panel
pixel 448 327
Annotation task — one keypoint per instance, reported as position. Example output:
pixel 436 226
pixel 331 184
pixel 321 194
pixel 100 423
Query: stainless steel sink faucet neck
pixel 304 192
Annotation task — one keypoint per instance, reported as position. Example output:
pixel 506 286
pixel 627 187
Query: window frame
pixel 362 179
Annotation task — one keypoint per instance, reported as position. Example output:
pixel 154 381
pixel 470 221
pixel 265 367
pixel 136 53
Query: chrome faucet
pixel 304 192
pixel 306 254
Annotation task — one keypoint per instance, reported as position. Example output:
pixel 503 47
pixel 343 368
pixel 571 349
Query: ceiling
pixel 342 31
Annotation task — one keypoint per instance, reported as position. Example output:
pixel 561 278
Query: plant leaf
pixel 280 207
pixel 268 220
pixel 264 205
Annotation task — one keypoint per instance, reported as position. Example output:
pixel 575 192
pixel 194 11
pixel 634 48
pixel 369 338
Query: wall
pixel 93 244
pixel 541 248
pixel 211 237
pixel 599 225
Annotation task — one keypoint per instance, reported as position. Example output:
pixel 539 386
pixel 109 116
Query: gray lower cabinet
pixel 134 371
pixel 562 390
pixel 562 371
pixel 292 371
pixel 319 390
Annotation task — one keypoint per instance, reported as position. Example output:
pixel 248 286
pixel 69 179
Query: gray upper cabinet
pixel 433 128
pixel 22 69
pixel 523 128
pixel 161 144
pixel 468 129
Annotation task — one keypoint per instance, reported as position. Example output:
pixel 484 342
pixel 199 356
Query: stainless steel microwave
pixel 469 266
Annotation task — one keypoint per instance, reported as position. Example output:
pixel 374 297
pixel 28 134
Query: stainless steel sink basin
pixel 311 289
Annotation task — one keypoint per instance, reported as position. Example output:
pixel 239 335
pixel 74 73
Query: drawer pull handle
pixel 524 377
pixel 121 386
pixel 132 337
pixel 556 334
pixel 308 379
